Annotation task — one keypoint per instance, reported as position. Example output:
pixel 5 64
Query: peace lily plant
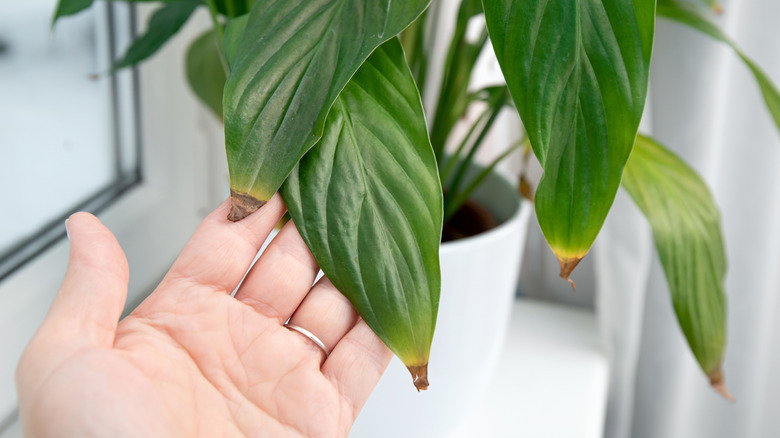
pixel 319 103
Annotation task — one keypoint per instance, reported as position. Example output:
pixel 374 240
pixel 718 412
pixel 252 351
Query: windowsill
pixel 551 380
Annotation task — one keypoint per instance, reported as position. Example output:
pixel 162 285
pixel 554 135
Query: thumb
pixel 92 296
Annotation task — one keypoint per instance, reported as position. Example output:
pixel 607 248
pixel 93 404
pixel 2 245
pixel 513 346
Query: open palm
pixel 192 360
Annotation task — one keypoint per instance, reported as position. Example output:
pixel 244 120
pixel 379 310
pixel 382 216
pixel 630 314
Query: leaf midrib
pixel 368 198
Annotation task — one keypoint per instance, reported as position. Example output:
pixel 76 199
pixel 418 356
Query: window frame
pixel 184 177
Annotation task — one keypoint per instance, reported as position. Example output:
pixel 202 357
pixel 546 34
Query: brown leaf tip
pixel 567 266
pixel 420 376
pixel 242 205
pixel 719 385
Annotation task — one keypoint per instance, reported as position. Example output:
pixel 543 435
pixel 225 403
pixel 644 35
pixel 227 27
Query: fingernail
pixel 67 234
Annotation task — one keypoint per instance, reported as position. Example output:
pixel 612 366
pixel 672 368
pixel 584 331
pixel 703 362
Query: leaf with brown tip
pixel 293 59
pixel 368 203
pixel 578 74
pixel 687 233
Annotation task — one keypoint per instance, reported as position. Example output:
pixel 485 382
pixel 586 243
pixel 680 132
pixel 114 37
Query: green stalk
pixel 453 97
pixel 413 42
pixel 453 188
pixel 458 199
pixel 217 25
pixel 230 8
pixel 220 33
pixel 445 174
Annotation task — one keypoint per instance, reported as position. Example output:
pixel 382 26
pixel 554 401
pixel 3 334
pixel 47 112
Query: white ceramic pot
pixel 479 281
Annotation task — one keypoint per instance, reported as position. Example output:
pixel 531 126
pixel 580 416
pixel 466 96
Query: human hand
pixel 192 360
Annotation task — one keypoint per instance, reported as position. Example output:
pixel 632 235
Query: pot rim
pixel 520 215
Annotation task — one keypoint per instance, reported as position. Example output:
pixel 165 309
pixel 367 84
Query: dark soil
pixel 470 220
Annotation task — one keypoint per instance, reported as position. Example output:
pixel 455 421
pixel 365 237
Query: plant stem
pixel 220 34
pixel 453 93
pixel 413 42
pixel 230 8
pixel 494 109
pixel 458 199
pixel 217 25
pixel 445 174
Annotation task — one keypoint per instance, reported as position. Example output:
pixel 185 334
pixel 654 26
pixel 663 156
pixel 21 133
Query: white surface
pixel 15 431
pixel 551 380
pixel 479 279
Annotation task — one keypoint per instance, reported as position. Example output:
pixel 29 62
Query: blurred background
pixel 140 151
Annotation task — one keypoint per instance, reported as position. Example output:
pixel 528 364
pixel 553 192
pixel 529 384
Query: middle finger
pixel 281 278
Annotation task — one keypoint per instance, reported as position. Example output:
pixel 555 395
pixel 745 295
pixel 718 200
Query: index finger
pixel 220 252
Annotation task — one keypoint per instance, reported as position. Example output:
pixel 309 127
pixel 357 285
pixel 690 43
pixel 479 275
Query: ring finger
pixel 326 314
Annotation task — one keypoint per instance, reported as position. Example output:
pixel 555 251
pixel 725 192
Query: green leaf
pixel 206 71
pixel 367 201
pixel 72 7
pixel 691 16
pixel 234 31
pixel 687 232
pixel 577 71
pixel 294 59
pixel 163 24
pixel 69 7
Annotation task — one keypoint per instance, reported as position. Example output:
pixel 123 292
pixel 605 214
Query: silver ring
pixel 309 335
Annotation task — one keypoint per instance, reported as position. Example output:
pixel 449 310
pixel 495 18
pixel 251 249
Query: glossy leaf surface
pixel 206 71
pixel 687 233
pixel 694 17
pixel 292 62
pixel 577 71
pixel 368 203
pixel 163 24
